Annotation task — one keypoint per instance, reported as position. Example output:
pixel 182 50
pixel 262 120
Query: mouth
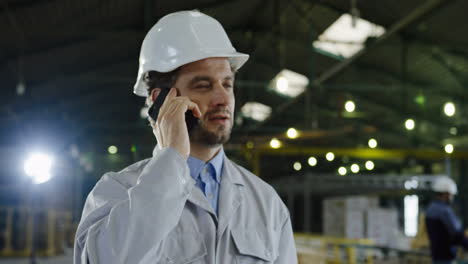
pixel 219 118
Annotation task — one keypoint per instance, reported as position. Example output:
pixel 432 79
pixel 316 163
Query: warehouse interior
pixel 348 108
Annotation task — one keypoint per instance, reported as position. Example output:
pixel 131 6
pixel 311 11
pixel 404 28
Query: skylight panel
pixel 346 37
pixel 256 111
pixel 289 83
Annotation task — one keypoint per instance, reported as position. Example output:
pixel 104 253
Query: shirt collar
pixel 196 165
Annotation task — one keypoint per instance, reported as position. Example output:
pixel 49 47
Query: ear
pixel 154 94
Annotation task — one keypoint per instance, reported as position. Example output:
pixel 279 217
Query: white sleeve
pixel 287 247
pixel 121 225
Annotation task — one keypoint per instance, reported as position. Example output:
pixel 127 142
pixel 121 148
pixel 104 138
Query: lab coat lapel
pixel 198 198
pixel 230 195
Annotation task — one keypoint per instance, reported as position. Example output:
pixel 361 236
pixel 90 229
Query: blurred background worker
pixel 444 229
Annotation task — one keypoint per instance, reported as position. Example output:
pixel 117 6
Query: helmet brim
pixel 236 60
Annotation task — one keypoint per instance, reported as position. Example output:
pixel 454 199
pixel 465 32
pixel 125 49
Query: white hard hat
pixel 181 38
pixel 444 185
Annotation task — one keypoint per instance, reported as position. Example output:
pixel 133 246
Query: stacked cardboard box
pixel 361 217
pixel 381 225
pixel 344 216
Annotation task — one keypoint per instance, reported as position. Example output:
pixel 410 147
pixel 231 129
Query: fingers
pixel 177 106
pixel 194 108
pixel 180 108
pixel 172 92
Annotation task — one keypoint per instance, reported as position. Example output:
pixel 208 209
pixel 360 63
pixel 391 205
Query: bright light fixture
pixel 355 168
pixel 350 106
pixel 297 166
pixel 343 39
pixel 449 148
pixel 289 83
pixel 292 133
pixel 410 124
pixel 112 149
pixel 342 171
pixel 312 161
pixel 256 111
pixel 38 166
pixel 370 165
pixel 275 143
pixel 144 112
pixel 282 84
pixel 330 156
pixel 372 143
pixel 411 203
pixel 449 109
pixel 411 184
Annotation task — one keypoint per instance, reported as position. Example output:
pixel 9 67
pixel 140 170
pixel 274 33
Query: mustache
pixel 218 111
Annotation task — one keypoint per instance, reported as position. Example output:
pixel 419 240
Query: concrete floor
pixel 65 259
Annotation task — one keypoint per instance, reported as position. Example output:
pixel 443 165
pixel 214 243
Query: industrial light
pixel 370 165
pixel 372 143
pixel 350 106
pixel 420 99
pixel 275 143
pixel 38 166
pixel 312 161
pixel 282 84
pixel 342 171
pixel 330 156
pixel 133 148
pixel 256 111
pixel 453 131
pixel 249 145
pixel 449 109
pixel 112 149
pixel 355 168
pixel 449 148
pixel 411 184
pixel 144 112
pixel 410 124
pixel 345 38
pixel 297 166
pixel 411 214
pixel 292 133
pixel 289 83
pixel 20 88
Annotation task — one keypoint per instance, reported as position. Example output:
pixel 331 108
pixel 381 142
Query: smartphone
pixel 153 111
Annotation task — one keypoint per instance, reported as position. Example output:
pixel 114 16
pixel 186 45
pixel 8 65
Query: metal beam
pixel 362 153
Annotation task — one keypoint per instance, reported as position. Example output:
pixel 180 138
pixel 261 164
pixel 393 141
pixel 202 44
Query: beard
pixel 202 135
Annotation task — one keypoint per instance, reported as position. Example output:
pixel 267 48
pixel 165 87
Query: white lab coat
pixel 152 212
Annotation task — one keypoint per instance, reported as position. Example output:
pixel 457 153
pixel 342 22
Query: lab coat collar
pixel 231 172
pixel 233 177
pixel 230 193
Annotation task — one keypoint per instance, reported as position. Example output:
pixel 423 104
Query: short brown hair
pixel 154 79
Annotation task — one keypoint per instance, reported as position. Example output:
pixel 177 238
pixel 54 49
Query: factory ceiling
pixel 67 70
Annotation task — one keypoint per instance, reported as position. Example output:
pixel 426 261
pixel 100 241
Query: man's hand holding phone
pixel 170 127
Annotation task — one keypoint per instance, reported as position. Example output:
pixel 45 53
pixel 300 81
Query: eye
pixel 202 86
pixel 228 86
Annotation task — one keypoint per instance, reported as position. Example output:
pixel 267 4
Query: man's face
pixel 210 84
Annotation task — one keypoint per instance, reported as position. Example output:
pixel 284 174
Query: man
pixel 189 203
pixel 443 227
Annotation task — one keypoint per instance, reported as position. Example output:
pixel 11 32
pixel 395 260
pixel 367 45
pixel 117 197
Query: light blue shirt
pixel 207 176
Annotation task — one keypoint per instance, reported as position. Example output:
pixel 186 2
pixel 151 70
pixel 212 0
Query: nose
pixel 221 95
